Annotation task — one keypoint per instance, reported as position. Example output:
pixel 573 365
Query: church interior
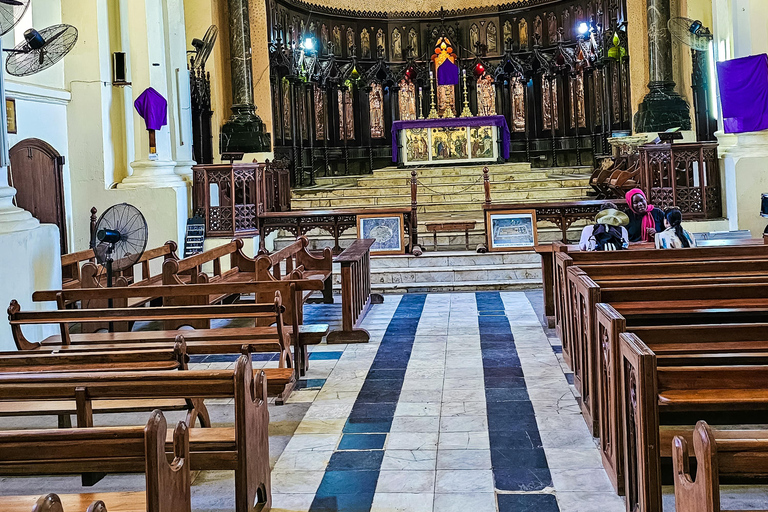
pixel 404 256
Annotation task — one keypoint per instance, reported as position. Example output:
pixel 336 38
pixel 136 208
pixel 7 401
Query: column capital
pixel 153 174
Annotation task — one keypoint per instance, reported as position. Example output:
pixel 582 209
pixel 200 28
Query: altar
pixel 450 140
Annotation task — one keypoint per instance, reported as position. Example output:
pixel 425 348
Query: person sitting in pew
pixel 674 236
pixel 644 220
pixel 608 233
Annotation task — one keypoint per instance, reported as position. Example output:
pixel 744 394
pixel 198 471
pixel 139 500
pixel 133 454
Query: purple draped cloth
pixel 498 121
pixel 448 73
pixel 153 108
pixel 744 93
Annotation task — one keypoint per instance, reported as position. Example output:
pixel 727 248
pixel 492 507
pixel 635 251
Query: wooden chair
pixel 73 451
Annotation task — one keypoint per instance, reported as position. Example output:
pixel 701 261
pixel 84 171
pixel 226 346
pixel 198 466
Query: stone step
pixel 438 202
pixel 442 188
pixel 465 286
pixel 454 259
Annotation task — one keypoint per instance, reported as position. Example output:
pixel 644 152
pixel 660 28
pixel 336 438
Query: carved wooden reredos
pixel 340 78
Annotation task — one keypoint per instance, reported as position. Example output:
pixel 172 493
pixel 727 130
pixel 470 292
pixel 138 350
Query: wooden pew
pixel 563 257
pixel 290 291
pixel 295 262
pixel 153 359
pixel 72 451
pixel 583 293
pixel 653 395
pixel 70 267
pixel 356 297
pixel 208 341
pixel 742 454
pixel 243 448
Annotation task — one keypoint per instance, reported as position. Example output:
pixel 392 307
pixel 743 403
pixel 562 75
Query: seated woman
pixel 609 223
pixel 644 220
pixel 674 237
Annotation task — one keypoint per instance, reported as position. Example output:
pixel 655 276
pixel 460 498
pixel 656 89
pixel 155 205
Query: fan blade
pixel 14 3
pixel 42 57
pixel 55 37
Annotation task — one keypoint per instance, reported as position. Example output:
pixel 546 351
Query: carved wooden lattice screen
pixel 683 175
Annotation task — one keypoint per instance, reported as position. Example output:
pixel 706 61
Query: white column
pixel 149 68
pixel 179 100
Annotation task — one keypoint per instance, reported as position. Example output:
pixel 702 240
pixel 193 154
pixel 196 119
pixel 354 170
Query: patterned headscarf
pixel 647 219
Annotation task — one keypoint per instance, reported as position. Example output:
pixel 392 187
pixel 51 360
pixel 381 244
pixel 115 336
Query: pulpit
pixel 684 175
pixel 230 197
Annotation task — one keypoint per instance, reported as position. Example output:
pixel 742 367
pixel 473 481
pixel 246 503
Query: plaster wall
pixel 29 261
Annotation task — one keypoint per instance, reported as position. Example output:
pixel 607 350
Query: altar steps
pixel 447 189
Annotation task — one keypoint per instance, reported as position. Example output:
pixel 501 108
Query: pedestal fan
pixel 121 234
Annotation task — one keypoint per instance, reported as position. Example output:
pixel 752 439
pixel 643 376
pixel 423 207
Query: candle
pixel 419 91
pixel 464 72
pixel 430 75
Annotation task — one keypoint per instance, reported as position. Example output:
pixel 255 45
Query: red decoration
pixel 479 69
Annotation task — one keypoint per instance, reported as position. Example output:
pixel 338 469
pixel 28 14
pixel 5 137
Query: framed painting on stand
pixel 387 229
pixel 511 230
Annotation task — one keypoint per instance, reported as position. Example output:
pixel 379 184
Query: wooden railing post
pixel 487 185
pixel 92 242
pixel 415 249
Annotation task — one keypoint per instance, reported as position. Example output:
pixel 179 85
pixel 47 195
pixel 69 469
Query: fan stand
pixel 108 264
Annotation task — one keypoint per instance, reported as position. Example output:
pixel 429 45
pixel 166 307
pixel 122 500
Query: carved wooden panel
pixel 346 115
pixel 287 121
pixel 446 99
pixel 407 100
pixel 518 106
pixel 320 99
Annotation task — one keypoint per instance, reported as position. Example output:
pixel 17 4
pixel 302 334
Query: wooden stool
pixel 444 226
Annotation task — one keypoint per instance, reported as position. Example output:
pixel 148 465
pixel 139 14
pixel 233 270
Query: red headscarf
pixel 647 219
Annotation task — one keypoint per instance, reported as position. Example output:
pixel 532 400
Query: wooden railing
pixel 356 295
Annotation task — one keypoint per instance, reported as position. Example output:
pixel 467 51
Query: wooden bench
pixel 243 448
pixel 295 262
pixel 356 297
pixel 739 454
pixel 153 359
pixel 92 273
pixel 70 267
pixel 450 226
pixel 80 450
pixel 583 293
pixel 208 341
pixel 201 294
pixel 653 395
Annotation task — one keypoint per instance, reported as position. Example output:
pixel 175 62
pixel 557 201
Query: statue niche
pixel 397 45
pixel 287 123
pixel 350 42
pixel 337 41
pixel 407 100
pixel 523 34
pixel 518 106
pixel 507 33
pixel 365 43
pixel 346 115
pixel 413 40
pixel 552 28
pixel 549 103
pixel 492 38
pixel 380 42
pixel 376 102
pixel 474 37
pixel 324 38
pixel 486 96
pixel 537 30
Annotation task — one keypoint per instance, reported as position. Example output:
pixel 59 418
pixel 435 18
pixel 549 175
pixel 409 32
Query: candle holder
pixel 421 105
pixel 466 112
pixel 433 109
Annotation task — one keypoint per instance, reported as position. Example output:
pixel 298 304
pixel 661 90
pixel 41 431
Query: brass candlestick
pixel 421 105
pixel 433 109
pixel 466 112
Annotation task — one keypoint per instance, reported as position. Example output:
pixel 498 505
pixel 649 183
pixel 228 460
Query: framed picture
pixel 387 230
pixel 10 112
pixel 509 230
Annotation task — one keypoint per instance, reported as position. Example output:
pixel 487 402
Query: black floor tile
pixel 527 503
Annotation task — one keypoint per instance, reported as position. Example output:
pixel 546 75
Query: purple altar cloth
pixel 499 121
pixel 153 108
pixel 744 93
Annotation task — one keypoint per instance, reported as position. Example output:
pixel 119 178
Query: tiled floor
pixel 460 402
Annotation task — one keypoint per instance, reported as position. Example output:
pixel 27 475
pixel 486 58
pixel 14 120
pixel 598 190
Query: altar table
pixel 450 140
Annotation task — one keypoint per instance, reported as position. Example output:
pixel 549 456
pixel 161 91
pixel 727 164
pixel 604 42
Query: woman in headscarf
pixel 644 220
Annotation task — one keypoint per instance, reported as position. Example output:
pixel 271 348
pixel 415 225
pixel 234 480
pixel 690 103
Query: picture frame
pixel 511 230
pixel 10 113
pixel 387 229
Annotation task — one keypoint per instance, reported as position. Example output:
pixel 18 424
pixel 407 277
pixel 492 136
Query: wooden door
pixel 35 172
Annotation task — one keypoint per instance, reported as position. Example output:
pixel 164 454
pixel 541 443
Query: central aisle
pixel 458 403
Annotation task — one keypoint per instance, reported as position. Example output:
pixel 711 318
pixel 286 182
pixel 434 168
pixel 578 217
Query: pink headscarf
pixel 647 220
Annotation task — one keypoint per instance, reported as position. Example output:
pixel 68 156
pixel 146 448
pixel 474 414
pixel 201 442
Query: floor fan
pixel 121 235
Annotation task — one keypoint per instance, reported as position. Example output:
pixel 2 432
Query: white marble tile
pixel 463 459
pixel 409 460
pixel 415 424
pixel 464 440
pixel 463 423
pixel 402 502
pixel 465 502
pixel 453 481
pixel 304 460
pixel 406 481
pixel 320 442
pixel 412 441
pixel 417 409
pixel 296 482
pixel 291 502
pixel 590 502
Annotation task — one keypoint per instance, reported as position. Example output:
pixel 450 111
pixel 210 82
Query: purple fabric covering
pixel 744 93
pixel 499 121
pixel 448 73
pixel 153 108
